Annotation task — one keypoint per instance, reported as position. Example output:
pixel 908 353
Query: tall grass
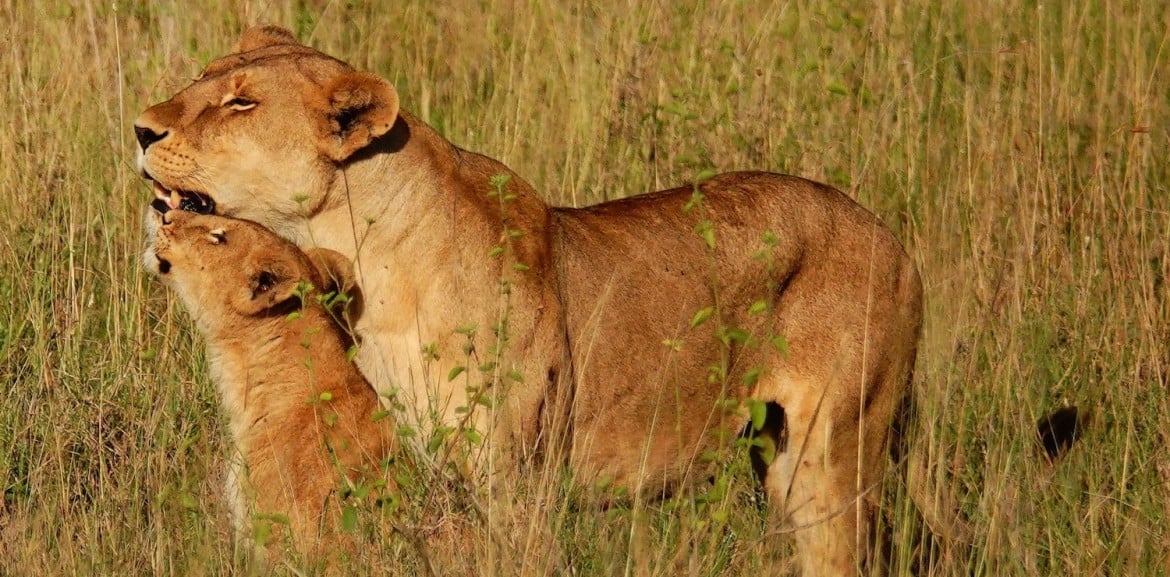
pixel 1020 151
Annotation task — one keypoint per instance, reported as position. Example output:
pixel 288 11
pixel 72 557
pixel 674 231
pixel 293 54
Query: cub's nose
pixel 147 136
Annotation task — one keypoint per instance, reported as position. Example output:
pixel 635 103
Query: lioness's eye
pixel 240 103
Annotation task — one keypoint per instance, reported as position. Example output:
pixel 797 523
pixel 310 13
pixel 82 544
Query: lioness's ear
pixel 263 36
pixel 359 107
pixel 335 269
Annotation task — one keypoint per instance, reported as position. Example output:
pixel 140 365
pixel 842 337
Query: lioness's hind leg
pixel 822 486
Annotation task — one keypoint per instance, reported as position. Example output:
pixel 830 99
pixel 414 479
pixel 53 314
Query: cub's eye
pixel 238 103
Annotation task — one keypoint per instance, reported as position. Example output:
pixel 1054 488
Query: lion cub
pixel 301 415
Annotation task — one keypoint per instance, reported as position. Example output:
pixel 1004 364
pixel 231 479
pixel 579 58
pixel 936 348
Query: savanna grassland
pixel 1019 150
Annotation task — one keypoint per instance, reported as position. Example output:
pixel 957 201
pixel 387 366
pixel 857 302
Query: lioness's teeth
pixel 176 199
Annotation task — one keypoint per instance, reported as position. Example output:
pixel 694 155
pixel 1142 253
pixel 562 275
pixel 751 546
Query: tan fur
pixel 608 294
pixel 296 450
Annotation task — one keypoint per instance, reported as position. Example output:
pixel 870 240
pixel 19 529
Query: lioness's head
pixel 260 133
pixel 227 269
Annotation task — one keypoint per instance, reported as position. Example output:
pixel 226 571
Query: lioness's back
pixel 768 256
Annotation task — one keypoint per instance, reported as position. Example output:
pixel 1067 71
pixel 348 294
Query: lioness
pixel 625 329
pixel 299 411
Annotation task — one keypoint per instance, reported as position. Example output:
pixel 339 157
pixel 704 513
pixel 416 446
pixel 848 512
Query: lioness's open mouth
pixel 191 201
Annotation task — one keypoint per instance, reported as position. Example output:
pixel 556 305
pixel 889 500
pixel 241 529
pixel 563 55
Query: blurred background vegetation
pixel 1019 149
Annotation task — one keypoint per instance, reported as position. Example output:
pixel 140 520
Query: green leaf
pixel 718 490
pixel 472 436
pixel 759 412
pixel 758 307
pixel 780 343
pixel 750 377
pixel 499 180
pixel 278 518
pixel 325 396
pixel 702 316
pixel 438 439
pixel 348 518
pixel 430 352
pixel 706 175
pixel 496 251
pixel 767 448
pixel 520 267
pixel 706 229
pixel 728 336
pixel 838 88
pixel 261 532
pixel 709 236
pixel 402 478
pixel 455 372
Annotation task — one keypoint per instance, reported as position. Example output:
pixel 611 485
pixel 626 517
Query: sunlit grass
pixel 1020 153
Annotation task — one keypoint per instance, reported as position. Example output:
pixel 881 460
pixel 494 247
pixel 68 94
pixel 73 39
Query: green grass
pixel 1019 151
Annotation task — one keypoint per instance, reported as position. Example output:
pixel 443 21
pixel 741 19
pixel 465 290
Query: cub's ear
pixel 357 107
pixel 335 270
pixel 337 274
pixel 263 36
pixel 268 288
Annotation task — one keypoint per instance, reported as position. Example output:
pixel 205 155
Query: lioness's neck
pixel 409 180
pixel 380 191
pixel 425 229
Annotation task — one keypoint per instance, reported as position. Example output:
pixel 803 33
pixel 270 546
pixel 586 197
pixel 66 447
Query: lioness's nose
pixel 147 137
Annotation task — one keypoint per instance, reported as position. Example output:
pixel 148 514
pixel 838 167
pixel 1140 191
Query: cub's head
pixel 227 270
pixel 260 134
